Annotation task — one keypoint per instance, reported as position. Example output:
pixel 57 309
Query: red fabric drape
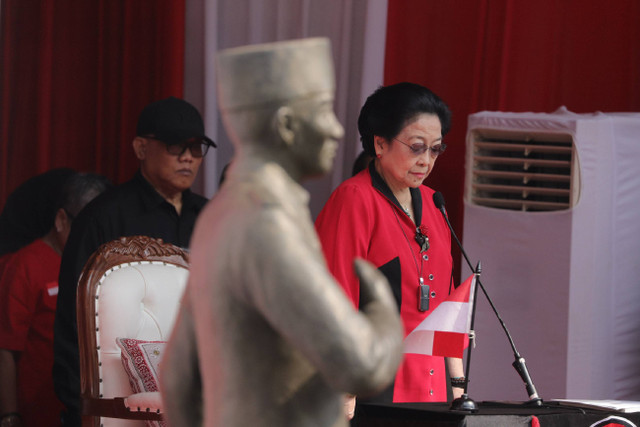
pixel 75 74
pixel 510 55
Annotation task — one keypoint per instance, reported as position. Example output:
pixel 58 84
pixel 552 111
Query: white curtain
pixel 357 33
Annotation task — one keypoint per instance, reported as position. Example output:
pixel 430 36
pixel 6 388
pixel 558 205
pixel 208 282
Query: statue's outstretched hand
pixel 379 307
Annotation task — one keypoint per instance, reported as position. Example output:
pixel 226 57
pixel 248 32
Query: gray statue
pixel 265 336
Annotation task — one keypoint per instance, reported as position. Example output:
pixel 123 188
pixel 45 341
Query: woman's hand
pixel 456 370
pixel 457 392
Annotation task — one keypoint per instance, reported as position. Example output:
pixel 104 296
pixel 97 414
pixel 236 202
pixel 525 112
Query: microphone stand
pixel 519 363
pixel 464 402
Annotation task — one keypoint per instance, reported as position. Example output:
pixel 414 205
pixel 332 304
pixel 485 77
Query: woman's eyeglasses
pixel 419 149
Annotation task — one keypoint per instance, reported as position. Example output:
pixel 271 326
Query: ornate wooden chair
pixel 129 289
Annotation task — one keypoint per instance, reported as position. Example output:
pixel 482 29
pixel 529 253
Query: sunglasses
pixel 197 146
pixel 419 149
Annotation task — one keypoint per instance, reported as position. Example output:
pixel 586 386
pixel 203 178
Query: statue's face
pixel 317 134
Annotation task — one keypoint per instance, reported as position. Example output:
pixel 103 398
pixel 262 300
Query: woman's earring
pixel 378 155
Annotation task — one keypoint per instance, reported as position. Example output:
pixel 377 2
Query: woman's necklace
pixel 421 237
pixel 402 205
pixel 405 209
pixel 423 241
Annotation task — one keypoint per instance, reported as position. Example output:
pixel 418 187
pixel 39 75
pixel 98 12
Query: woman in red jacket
pixel 385 215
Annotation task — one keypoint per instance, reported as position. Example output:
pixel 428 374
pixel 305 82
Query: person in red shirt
pixel 29 211
pixel 385 214
pixel 28 293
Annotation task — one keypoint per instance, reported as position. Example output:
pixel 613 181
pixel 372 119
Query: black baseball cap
pixel 172 121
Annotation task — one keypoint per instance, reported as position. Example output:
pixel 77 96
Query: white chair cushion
pixel 136 300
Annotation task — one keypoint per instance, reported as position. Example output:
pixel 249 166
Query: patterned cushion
pixel 141 360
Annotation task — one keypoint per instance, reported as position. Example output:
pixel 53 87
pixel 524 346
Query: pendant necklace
pixel 421 230
pixel 423 240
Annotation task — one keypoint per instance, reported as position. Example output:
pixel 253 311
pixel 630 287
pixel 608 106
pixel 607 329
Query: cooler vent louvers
pixel 523 172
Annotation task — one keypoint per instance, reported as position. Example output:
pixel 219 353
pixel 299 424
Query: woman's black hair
pixel 390 108
pixel 361 162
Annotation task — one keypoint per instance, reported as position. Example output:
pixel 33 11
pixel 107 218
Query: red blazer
pixel 363 219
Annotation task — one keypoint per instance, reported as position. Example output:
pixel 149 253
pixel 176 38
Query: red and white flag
pixel 444 332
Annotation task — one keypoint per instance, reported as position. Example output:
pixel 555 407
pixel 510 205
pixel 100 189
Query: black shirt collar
pixel 151 198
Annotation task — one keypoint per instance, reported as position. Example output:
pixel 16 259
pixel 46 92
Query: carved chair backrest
pixel 129 288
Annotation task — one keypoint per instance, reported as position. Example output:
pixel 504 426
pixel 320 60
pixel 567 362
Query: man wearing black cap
pixel 157 202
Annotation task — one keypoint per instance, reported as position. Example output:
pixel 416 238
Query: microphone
pixel 519 363
pixel 438 200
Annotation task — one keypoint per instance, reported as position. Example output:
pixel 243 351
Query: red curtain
pixel 511 55
pixel 75 75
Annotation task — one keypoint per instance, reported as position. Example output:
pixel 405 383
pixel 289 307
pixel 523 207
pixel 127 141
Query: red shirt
pixel 363 219
pixel 28 293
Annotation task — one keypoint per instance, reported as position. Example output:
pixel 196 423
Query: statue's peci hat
pixel 260 75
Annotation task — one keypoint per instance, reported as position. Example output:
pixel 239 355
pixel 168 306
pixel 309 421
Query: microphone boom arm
pixel 519 363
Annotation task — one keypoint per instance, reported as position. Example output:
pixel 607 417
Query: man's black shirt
pixel 133 208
